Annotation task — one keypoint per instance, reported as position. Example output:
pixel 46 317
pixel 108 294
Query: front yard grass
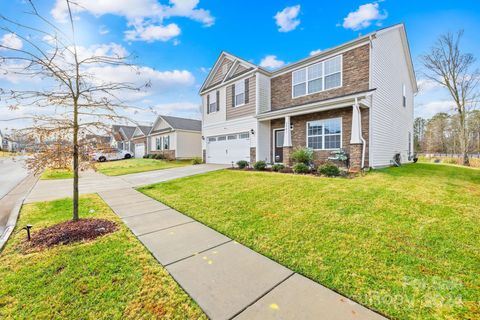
pixel 403 241
pixel 121 167
pixel 111 277
pixel 56 174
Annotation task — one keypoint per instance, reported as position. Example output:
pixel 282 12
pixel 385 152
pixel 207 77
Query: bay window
pixel 317 77
pixel 324 134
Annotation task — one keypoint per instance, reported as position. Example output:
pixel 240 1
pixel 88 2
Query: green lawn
pixel 112 277
pixel 6 154
pixel 55 174
pixel 121 167
pixel 403 241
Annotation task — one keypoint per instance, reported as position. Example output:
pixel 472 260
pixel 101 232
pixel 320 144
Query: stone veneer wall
pixel 169 154
pixel 355 78
pixel 299 135
pixel 253 155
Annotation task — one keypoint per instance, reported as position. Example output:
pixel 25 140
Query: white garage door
pixel 228 148
pixel 139 150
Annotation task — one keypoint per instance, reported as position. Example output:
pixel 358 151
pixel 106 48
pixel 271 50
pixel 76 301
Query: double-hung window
pixel 166 143
pixel 317 77
pixel 212 104
pixel 158 143
pixel 239 93
pixel 404 97
pixel 324 134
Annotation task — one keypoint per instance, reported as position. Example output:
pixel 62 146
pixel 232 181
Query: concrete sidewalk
pixel 93 182
pixel 227 279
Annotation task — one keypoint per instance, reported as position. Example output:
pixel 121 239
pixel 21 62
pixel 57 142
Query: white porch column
pixel 356 126
pixel 287 135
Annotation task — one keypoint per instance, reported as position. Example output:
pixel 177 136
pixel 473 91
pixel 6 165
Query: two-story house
pixel 357 96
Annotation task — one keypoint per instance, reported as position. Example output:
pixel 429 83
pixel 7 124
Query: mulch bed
pixel 71 232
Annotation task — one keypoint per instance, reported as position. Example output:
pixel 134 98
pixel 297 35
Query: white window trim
pixel 213 97
pixel 323 135
pixel 235 105
pixel 323 77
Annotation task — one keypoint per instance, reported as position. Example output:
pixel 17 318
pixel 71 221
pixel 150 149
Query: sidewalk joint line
pixel 197 253
pixel 262 295
pixel 140 214
pixel 162 229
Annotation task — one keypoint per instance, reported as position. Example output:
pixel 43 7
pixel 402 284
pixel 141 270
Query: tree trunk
pixel 75 160
pixel 464 140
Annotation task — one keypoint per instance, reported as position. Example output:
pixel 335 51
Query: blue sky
pixel 177 41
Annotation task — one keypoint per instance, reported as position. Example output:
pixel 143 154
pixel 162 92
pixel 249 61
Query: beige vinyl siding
pixel 247 109
pixel 239 70
pixel 219 75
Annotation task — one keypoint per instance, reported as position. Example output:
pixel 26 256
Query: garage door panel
pixel 227 149
pixel 139 150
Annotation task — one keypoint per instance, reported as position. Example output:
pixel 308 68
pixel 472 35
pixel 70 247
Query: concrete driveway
pixel 93 182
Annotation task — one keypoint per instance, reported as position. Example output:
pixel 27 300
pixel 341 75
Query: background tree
pixel 74 99
pixel 448 66
pixel 418 134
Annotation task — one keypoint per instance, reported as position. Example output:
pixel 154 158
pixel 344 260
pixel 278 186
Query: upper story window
pixel 324 134
pixel 213 101
pixel 239 93
pixel 404 92
pixel 318 77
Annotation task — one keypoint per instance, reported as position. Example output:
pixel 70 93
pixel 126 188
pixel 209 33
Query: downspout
pixel 357 107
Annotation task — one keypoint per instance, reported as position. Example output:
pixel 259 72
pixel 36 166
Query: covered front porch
pixel 325 126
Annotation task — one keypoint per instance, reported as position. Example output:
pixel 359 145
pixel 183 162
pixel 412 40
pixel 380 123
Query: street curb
pixel 14 213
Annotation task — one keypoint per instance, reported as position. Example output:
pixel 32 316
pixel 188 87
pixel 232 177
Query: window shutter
pixel 247 90
pixel 208 103
pixel 233 95
pixel 218 100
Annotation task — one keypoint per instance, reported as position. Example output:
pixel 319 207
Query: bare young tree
pixel 454 70
pixel 74 99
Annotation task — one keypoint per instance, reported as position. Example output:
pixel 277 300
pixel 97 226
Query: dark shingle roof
pixel 145 129
pixel 128 131
pixel 183 123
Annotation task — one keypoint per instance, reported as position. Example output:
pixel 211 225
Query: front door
pixel 278 156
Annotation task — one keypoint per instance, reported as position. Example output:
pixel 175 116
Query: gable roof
pixel 142 131
pixel 177 123
pixel 218 63
pixel 127 131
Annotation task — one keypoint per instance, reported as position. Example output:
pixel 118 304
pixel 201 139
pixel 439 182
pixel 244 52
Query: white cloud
pixel 426 85
pixel 430 108
pixel 12 41
pixel 177 108
pixel 103 50
pixel 287 18
pixel 103 30
pixel 160 81
pixel 152 33
pixel 364 16
pixel 144 17
pixel 314 52
pixel 271 62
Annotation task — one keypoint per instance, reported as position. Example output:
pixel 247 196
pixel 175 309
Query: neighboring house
pixel 98 141
pixel 176 138
pixel 122 136
pixel 357 97
pixel 139 140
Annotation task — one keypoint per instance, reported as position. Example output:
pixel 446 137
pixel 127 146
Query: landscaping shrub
pixel 145 156
pixel 151 156
pixel 301 168
pixel 159 156
pixel 303 155
pixel 329 169
pixel 260 165
pixel 278 167
pixel 197 160
pixel 242 164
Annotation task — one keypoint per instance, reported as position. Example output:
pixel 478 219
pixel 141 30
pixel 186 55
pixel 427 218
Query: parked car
pixel 111 154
